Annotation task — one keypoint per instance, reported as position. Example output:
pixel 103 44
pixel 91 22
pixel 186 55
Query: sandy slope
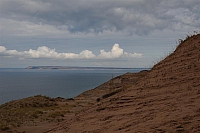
pixel 40 113
pixel 166 99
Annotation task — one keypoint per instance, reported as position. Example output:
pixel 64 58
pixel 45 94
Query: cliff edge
pixel 166 99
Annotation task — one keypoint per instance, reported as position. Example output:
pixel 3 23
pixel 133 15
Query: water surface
pixel 21 83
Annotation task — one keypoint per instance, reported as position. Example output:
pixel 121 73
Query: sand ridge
pixel 164 99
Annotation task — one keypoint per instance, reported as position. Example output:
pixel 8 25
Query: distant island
pixel 75 67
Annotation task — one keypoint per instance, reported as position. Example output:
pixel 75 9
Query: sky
pixel 103 33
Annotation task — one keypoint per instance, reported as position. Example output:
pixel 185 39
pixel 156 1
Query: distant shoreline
pixel 77 68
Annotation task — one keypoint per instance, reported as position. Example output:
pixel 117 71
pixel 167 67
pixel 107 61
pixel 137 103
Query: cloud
pixel 45 52
pixel 129 16
pixel 2 49
pixel 115 52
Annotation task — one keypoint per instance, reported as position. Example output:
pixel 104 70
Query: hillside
pixel 39 113
pixel 166 99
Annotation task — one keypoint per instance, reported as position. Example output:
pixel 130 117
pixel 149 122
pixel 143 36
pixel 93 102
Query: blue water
pixel 21 83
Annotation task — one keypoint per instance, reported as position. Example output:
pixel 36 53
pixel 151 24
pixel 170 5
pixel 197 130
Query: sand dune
pixel 165 99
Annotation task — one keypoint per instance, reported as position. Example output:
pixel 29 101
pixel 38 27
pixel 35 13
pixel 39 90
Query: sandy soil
pixel 165 99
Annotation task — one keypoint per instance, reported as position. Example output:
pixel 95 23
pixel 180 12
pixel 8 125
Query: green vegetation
pixel 57 114
pixel 32 110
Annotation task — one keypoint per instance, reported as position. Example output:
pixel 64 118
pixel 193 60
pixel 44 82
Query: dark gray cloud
pixel 127 16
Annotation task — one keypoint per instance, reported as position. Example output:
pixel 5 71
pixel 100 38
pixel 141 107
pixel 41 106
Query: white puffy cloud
pixel 45 52
pixel 2 49
pixel 115 52
pixel 86 54
pixel 134 55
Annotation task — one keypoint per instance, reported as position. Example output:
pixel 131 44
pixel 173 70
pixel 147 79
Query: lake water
pixel 21 83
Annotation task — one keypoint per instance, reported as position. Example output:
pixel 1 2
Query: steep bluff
pixel 183 65
pixel 165 100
